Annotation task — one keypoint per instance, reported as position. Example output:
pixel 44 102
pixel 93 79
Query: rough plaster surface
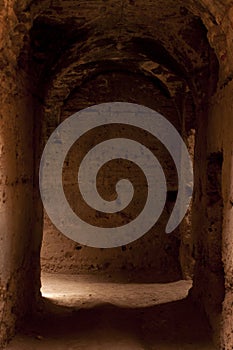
pixel 156 251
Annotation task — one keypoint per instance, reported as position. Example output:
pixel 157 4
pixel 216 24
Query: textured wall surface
pixel 156 252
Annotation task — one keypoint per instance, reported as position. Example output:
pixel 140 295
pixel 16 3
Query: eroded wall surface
pixel 156 254
pixel 19 241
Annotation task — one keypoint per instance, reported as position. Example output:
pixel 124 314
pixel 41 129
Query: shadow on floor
pixel 176 325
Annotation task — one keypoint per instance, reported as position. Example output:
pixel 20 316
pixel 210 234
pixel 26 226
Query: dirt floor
pixel 96 313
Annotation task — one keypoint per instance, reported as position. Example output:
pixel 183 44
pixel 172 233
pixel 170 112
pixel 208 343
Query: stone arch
pixel 35 84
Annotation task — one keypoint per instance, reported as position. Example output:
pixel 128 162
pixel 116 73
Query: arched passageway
pixel 61 57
